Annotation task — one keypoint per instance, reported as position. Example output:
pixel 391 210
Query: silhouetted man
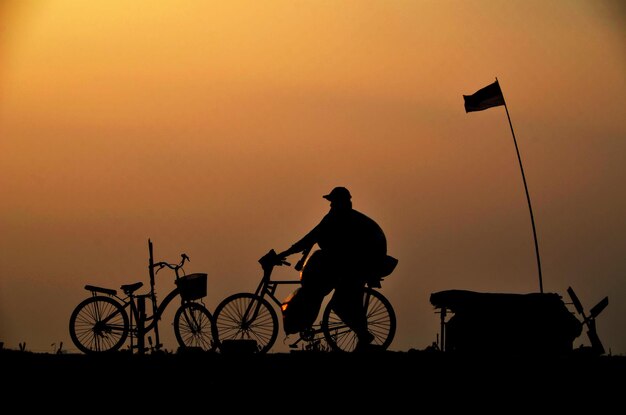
pixel 353 247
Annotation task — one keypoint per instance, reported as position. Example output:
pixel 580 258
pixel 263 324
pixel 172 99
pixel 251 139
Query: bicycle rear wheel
pixel 99 324
pixel 245 316
pixel 381 322
pixel 193 327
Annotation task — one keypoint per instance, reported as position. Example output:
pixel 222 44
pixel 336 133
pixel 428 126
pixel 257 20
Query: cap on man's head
pixel 338 193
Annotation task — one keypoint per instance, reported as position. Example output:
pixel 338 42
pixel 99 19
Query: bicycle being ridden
pixel 253 317
pixel 104 321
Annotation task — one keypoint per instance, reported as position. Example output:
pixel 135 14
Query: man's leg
pixel 347 302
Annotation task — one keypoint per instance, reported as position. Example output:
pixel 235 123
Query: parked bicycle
pixel 104 321
pixel 252 317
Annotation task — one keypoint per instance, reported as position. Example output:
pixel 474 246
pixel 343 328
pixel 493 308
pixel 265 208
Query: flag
pixel 487 97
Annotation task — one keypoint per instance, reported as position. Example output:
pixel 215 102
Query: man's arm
pixel 306 243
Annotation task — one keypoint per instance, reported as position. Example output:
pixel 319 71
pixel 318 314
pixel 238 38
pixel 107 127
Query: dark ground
pixel 389 382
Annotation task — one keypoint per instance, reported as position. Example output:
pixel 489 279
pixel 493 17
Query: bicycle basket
pixel 192 286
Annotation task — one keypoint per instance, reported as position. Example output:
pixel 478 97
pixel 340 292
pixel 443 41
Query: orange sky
pixel 214 127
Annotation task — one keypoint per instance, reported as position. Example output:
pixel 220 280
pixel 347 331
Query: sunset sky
pixel 214 128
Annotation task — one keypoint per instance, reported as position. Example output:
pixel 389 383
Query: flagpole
pixel 532 218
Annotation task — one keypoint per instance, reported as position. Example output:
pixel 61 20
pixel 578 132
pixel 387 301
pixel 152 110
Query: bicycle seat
pixel 131 288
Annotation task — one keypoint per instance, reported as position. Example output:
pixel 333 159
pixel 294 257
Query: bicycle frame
pixel 267 288
pixel 140 322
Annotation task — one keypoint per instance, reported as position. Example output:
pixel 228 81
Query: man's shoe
pixel 369 338
pixel 365 343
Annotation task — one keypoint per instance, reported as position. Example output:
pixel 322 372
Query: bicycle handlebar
pixel 272 259
pixel 175 267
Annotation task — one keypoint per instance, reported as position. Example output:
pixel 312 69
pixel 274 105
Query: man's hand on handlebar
pixel 299 265
pixel 281 259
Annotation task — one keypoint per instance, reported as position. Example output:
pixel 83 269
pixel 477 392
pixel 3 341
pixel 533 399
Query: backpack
pixel 300 309
pixel 318 274
pixel 382 270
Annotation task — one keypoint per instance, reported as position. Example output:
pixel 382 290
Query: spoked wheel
pixel 245 316
pixel 99 324
pixel 193 327
pixel 381 322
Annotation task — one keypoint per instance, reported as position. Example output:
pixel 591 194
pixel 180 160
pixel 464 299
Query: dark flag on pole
pixel 487 97
pixel 491 96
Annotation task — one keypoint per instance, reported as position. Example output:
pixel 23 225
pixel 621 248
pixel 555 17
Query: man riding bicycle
pixel 354 249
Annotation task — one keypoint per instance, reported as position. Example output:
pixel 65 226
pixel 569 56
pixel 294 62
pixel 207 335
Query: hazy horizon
pixel 214 128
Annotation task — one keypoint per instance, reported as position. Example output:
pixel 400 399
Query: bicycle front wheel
pixel 245 316
pixel 381 322
pixel 193 327
pixel 99 324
